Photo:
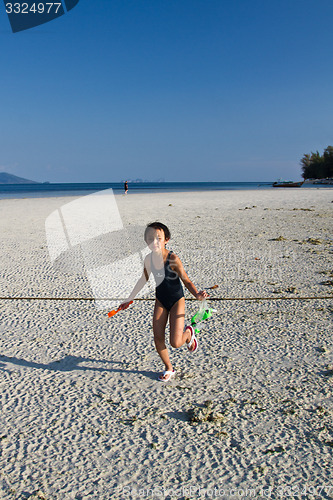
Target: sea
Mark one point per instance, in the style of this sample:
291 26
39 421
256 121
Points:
43 190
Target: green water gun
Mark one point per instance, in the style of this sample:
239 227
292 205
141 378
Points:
203 314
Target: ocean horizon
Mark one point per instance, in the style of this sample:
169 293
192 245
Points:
74 188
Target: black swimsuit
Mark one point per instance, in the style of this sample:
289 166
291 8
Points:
170 290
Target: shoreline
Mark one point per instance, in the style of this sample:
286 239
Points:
75 195
187 188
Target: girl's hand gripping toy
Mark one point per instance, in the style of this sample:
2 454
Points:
115 311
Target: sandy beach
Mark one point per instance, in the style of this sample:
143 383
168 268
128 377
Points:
248 416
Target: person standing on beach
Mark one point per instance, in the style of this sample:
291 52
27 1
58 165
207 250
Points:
126 187
168 272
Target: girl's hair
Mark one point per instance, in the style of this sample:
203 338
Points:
158 225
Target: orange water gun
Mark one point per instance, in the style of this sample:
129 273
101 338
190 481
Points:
115 311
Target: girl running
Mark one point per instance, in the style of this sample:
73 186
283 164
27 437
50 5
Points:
168 272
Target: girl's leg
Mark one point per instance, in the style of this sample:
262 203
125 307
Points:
177 318
159 323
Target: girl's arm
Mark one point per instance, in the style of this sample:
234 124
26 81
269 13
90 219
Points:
177 266
139 285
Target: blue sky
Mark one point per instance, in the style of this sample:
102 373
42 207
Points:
177 89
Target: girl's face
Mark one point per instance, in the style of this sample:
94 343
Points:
156 240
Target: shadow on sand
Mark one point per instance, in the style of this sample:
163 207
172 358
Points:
70 363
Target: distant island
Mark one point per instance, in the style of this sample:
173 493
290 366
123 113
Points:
140 181
13 179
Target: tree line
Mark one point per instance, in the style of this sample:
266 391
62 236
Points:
316 166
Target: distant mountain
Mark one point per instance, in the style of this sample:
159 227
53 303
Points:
13 179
